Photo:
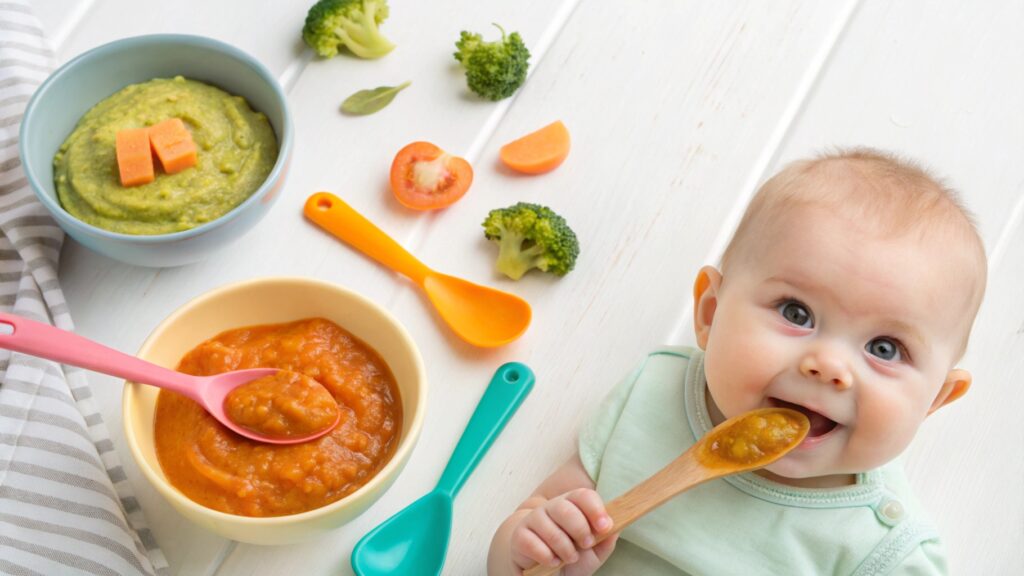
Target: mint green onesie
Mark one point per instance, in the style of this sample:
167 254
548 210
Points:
743 524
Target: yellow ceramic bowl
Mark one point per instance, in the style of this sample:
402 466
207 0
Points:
269 301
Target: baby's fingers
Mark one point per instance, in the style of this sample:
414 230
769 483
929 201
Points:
553 535
592 559
571 520
605 548
528 549
590 503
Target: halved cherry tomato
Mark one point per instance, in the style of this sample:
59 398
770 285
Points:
424 177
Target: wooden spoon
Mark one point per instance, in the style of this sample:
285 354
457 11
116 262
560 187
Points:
742 443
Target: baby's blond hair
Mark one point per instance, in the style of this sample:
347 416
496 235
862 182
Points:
893 195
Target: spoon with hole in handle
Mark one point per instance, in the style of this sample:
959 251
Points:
415 540
480 315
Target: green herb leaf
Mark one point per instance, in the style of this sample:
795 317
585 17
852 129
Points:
370 101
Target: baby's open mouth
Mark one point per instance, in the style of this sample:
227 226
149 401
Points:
820 424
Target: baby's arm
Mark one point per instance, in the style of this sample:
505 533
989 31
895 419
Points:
557 523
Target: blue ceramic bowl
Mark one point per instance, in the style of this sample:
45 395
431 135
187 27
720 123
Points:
81 83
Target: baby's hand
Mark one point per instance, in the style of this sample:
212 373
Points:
564 529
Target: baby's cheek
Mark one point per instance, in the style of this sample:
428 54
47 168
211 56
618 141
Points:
739 369
885 426
756 355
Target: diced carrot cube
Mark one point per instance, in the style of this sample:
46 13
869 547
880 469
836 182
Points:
134 158
173 145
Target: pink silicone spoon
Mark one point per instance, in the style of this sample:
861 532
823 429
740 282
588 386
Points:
44 341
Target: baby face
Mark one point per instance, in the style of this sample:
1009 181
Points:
856 330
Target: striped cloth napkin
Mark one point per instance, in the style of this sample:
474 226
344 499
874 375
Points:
65 504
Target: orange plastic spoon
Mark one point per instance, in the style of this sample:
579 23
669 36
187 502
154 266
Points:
480 315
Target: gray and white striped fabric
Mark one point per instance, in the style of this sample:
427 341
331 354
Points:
65 504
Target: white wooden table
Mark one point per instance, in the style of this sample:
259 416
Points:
677 109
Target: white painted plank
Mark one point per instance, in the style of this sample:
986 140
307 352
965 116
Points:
60 17
968 462
266 29
666 121
940 84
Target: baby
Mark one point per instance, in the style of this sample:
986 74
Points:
847 292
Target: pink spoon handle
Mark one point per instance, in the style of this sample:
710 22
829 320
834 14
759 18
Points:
44 341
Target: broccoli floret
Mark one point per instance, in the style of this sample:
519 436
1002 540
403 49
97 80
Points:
531 236
494 70
352 23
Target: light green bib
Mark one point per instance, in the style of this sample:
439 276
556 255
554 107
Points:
742 524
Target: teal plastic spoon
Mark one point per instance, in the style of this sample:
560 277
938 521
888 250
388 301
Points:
415 540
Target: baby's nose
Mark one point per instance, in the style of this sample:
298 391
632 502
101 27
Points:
826 368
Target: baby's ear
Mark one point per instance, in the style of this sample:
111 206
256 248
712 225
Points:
956 385
705 300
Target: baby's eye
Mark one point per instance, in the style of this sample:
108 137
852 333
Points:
884 348
796 313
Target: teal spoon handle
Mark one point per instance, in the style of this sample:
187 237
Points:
509 386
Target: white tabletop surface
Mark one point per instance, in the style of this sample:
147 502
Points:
677 109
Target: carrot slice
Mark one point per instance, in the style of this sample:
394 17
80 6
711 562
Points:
538 152
134 159
173 145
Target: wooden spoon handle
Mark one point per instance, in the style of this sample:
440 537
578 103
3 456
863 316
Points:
678 476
